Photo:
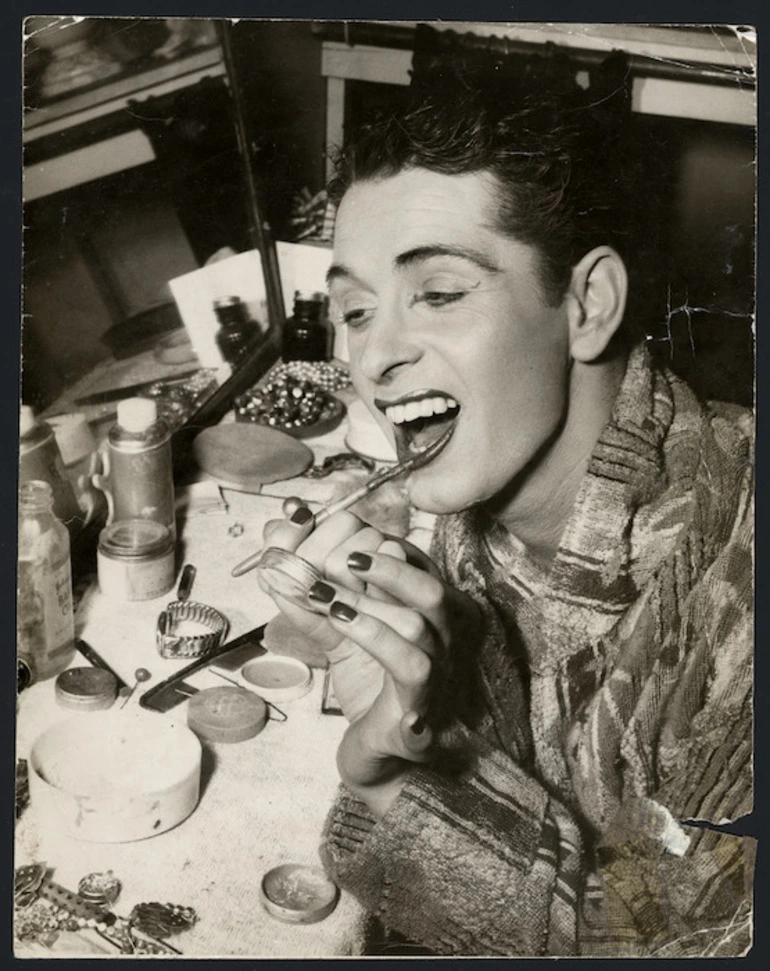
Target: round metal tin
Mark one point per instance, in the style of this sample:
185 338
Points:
86 689
298 894
277 678
226 714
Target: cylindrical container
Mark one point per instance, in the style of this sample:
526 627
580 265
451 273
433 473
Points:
40 458
139 465
135 560
237 333
307 333
288 575
114 776
45 624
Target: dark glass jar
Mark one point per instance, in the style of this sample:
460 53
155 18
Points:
307 334
237 333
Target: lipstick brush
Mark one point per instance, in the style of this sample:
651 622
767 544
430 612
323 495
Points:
409 464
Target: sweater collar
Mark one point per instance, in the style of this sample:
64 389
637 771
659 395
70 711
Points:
627 470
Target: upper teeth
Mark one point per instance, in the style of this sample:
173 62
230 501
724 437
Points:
425 408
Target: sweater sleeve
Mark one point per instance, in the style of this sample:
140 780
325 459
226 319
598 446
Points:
486 861
489 864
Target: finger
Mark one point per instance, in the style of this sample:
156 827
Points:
393 548
336 563
290 505
414 555
409 624
405 662
319 543
287 534
408 584
416 736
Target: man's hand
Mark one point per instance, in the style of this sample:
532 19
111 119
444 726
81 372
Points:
387 622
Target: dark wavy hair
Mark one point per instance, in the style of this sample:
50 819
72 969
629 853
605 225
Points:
561 183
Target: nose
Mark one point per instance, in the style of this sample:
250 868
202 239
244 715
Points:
386 347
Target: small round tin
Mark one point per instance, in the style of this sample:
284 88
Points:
135 560
226 714
298 894
86 689
276 677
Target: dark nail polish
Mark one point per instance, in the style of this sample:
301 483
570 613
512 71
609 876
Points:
341 611
419 726
321 592
359 561
302 516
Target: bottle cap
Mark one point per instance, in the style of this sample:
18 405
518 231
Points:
309 296
226 714
137 414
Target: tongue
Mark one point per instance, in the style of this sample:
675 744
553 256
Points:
422 433
422 437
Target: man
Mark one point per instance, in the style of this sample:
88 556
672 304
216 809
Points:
535 710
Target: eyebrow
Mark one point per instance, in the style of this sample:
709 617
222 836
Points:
422 253
419 255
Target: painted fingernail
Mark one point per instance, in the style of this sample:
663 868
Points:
341 611
301 516
359 561
419 726
321 592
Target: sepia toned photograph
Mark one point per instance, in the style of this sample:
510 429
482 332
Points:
386 489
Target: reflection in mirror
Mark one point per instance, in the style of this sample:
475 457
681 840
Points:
150 268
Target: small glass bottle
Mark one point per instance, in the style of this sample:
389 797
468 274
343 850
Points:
307 334
45 624
237 333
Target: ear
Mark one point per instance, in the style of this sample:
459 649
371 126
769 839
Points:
596 302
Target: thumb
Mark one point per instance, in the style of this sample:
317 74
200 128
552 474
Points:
416 737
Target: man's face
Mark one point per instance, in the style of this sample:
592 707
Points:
447 323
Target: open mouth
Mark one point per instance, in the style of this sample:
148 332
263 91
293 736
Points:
423 423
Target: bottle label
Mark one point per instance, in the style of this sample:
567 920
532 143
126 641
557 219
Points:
45 619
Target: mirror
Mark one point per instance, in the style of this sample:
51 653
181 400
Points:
137 173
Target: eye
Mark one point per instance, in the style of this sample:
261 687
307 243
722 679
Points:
358 317
350 310
438 298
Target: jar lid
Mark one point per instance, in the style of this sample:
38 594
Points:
137 414
135 537
277 677
86 689
298 894
226 714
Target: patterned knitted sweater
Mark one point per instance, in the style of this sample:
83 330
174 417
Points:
610 700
